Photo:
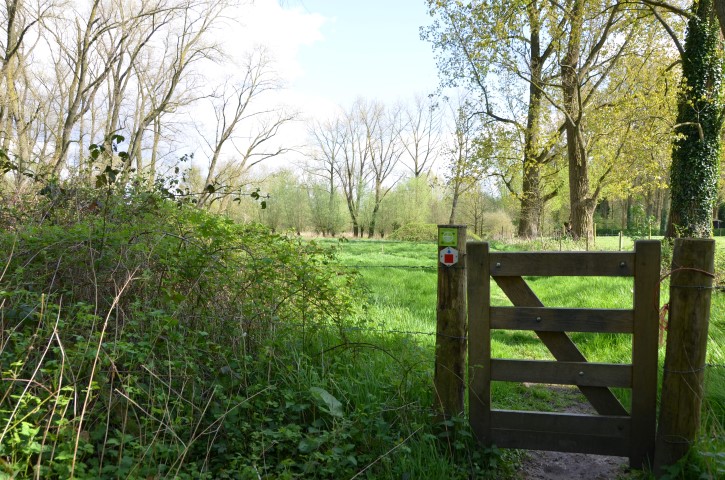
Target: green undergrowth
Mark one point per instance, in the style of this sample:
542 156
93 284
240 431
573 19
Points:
144 338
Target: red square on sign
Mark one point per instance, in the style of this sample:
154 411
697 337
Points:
448 258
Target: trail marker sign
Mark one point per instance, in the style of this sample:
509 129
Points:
447 237
448 256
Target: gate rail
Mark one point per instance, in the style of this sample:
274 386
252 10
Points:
614 430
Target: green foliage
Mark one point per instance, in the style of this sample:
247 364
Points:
641 225
705 461
207 271
696 152
231 352
136 331
416 232
720 265
497 225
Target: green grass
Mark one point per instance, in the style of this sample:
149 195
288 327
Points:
402 301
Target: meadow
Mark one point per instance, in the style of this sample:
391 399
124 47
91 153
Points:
401 280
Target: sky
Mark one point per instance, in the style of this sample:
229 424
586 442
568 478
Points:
329 52
370 48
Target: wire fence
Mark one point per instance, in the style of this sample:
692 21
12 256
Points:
432 334
431 268
400 332
410 267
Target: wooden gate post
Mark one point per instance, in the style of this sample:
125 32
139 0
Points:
451 329
682 388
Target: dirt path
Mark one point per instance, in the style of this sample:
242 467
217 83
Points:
540 465
572 466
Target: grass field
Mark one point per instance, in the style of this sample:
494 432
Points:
338 384
400 279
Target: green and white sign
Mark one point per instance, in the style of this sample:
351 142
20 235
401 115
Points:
448 237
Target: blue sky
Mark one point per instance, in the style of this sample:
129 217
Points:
369 48
329 52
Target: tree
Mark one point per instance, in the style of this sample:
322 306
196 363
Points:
132 40
327 144
18 21
385 152
696 149
468 153
166 70
243 124
582 72
630 140
78 72
353 170
287 206
598 39
420 134
508 47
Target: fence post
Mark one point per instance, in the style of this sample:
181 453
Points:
682 386
451 328
644 351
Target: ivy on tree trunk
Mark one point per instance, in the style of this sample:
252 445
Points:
696 149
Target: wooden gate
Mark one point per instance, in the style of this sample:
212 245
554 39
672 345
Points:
614 430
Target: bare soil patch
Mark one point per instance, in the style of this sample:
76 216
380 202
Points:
542 465
572 466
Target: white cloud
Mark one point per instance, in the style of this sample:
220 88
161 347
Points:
282 30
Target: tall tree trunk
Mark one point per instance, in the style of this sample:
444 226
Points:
582 207
696 151
373 221
454 206
330 220
531 201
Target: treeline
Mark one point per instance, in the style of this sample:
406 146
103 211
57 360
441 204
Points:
300 203
158 77
591 88
551 114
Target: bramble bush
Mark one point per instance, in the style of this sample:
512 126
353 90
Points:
137 333
141 337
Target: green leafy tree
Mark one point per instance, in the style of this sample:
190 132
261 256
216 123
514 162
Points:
326 142
508 48
469 152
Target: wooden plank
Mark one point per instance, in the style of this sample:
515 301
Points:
479 342
562 373
560 345
545 264
580 424
562 319
450 350
644 351
682 386
561 442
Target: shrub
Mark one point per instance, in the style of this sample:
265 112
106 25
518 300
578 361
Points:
416 232
206 271
497 225
720 266
424 232
138 336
